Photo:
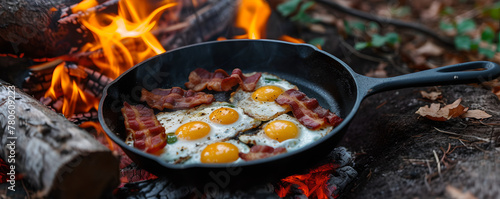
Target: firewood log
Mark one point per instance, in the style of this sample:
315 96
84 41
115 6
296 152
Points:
31 27
55 158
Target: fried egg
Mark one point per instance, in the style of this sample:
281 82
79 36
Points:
189 131
219 152
260 103
285 131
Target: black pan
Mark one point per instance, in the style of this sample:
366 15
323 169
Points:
317 73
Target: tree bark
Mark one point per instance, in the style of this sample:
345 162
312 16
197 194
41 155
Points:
55 158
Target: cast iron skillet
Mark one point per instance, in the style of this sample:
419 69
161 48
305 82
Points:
317 73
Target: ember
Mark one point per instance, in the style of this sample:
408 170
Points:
313 184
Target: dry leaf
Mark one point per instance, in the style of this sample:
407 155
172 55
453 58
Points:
434 112
477 114
431 96
496 90
456 193
430 49
379 71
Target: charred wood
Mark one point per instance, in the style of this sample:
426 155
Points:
31 28
56 158
204 23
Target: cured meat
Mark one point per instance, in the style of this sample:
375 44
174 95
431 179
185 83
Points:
219 80
175 98
146 130
261 151
307 110
247 83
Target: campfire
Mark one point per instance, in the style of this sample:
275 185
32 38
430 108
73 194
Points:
115 35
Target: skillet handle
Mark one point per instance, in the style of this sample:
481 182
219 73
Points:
452 74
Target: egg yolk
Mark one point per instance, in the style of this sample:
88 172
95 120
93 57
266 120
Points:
192 130
224 116
281 130
220 152
267 93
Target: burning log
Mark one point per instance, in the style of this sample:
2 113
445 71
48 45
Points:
205 23
32 28
56 158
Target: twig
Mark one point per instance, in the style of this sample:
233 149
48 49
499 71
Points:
393 22
438 163
456 134
46 65
73 17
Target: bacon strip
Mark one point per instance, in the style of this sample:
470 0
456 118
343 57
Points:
261 151
175 98
219 80
307 110
146 130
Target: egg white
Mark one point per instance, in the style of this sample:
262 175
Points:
196 157
305 137
264 111
183 151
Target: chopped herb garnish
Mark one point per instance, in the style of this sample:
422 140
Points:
171 138
230 105
271 80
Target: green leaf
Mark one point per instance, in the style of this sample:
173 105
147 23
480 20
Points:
347 27
474 44
466 26
317 41
446 26
357 25
171 138
361 45
447 11
288 7
493 11
378 40
463 42
373 26
488 35
302 16
498 45
392 38
487 52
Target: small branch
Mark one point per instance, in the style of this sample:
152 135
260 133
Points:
456 134
438 163
394 22
74 17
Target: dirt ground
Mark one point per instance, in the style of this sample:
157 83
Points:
396 149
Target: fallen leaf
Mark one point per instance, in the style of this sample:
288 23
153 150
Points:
429 49
456 193
431 96
434 112
496 90
477 114
432 12
379 71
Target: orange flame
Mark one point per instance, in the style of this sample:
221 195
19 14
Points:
124 40
101 135
312 184
66 84
291 39
252 17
